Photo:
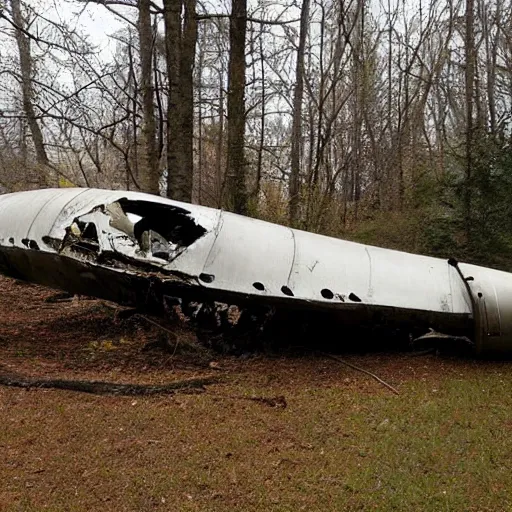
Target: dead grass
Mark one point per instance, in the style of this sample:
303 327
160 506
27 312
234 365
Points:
342 443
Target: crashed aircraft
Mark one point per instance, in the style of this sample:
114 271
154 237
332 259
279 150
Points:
142 250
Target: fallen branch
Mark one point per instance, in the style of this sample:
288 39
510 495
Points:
133 313
108 388
353 366
160 326
165 344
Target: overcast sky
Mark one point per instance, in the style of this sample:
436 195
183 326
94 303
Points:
94 20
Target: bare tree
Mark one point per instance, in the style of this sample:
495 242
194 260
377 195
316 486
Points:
26 72
296 145
180 36
236 173
188 54
151 175
469 46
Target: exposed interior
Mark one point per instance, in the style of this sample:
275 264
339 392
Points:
170 223
159 231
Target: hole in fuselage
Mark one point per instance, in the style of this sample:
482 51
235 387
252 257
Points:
327 294
31 244
287 291
83 237
354 298
259 286
207 278
161 230
90 232
176 225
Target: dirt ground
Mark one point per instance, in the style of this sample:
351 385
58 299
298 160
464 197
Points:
275 433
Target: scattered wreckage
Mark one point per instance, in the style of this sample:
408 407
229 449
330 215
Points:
153 253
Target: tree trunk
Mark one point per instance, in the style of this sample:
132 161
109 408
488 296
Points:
296 146
491 53
132 111
236 175
180 43
259 166
150 176
199 82
220 143
359 78
469 89
176 182
188 52
23 43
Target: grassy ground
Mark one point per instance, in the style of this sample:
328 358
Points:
343 442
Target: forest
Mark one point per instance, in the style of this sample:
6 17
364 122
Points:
381 121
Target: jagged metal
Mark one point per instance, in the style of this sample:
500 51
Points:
138 249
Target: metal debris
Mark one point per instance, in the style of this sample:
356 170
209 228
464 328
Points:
153 253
